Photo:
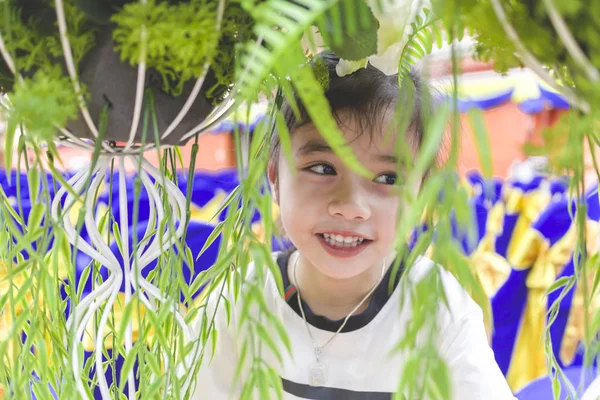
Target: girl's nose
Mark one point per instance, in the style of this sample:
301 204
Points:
350 202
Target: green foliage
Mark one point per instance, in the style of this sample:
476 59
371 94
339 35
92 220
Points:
236 29
321 72
180 38
349 29
38 105
279 26
425 32
41 103
33 41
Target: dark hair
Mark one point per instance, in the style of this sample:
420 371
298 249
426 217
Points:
368 93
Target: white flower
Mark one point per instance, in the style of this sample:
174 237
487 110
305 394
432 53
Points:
394 17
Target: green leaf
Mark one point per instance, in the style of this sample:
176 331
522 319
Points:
275 381
594 265
257 60
434 134
152 362
126 320
213 342
189 257
127 367
560 282
117 235
482 141
437 34
211 238
155 387
358 38
243 355
83 280
281 332
9 142
263 384
35 216
33 181
227 306
266 338
284 138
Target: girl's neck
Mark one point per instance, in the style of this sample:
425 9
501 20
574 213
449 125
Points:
332 298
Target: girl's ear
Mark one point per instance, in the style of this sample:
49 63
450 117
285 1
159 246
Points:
272 175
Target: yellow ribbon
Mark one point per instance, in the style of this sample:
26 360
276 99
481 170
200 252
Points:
207 213
513 198
529 361
520 254
494 224
575 329
491 268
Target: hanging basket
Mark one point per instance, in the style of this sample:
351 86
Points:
108 81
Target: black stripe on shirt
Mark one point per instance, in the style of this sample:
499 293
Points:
355 322
327 393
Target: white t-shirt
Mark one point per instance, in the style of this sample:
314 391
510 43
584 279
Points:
359 363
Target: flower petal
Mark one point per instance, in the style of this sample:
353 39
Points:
345 67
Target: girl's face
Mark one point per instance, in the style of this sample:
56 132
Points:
341 222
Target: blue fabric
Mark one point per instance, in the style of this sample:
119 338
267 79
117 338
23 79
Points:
541 389
553 99
532 106
508 305
554 221
486 103
558 187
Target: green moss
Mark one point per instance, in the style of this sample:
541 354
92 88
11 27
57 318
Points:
321 72
181 38
41 103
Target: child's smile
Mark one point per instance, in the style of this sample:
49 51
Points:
343 244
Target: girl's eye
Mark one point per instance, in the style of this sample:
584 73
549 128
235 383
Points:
322 169
387 179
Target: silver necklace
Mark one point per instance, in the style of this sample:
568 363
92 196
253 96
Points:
318 372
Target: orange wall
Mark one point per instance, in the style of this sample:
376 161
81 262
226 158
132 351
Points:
508 130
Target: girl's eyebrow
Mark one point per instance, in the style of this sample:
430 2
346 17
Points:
387 158
314 146
319 146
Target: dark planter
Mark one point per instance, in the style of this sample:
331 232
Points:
108 80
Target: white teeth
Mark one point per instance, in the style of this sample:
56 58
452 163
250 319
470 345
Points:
342 241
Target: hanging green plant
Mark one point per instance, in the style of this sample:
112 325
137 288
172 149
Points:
179 42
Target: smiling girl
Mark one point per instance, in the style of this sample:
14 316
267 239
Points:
339 315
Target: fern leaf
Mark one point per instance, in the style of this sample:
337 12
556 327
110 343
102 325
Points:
279 25
437 34
419 42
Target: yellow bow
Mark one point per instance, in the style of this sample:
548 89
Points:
575 329
523 249
529 361
208 212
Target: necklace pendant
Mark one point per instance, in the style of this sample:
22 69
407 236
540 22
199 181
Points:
317 374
